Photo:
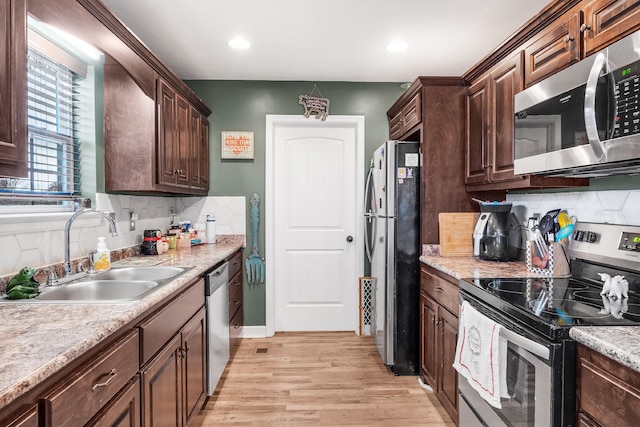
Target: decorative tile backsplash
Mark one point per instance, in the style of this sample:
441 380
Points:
42 242
229 212
614 207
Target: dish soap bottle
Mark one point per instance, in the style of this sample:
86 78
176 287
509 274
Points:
102 257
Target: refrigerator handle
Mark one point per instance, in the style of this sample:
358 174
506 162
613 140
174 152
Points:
370 220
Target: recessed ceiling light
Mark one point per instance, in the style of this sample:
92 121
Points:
397 46
239 43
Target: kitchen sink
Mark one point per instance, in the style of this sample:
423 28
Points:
153 273
99 290
118 285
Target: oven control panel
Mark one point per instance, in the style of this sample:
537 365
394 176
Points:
614 244
629 242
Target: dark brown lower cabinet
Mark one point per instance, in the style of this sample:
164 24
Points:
236 314
123 410
152 374
448 391
162 387
28 419
173 382
195 364
94 385
438 338
608 393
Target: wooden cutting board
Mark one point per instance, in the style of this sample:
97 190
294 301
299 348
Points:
456 233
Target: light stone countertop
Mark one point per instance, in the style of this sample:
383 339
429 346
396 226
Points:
620 343
473 267
39 339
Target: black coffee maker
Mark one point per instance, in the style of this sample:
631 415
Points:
497 235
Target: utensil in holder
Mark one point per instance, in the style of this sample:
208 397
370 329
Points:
554 263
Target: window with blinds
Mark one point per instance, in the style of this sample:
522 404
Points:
53 147
54 172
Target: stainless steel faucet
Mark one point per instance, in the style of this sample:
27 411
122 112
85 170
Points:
67 256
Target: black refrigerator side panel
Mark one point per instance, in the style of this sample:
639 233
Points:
407 265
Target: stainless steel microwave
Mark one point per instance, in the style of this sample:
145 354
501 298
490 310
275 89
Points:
585 119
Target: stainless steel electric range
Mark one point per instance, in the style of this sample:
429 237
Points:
537 314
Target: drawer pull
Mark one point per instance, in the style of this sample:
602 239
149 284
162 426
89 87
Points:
439 290
237 302
111 374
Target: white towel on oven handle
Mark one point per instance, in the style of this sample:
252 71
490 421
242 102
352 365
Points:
481 355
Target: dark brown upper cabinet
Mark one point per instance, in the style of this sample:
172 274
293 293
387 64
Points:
555 48
587 28
152 144
432 112
606 21
406 118
13 88
490 127
490 133
173 137
563 33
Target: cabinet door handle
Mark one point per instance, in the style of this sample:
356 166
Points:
584 27
112 374
568 38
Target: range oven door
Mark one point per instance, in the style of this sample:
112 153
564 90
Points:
529 377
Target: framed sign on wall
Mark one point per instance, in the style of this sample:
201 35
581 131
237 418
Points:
237 145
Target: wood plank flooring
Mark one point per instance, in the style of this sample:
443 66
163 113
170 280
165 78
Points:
317 379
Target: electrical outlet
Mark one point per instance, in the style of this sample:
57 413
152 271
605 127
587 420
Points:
133 217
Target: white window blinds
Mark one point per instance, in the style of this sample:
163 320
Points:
53 152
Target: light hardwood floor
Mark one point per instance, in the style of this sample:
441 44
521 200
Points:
317 379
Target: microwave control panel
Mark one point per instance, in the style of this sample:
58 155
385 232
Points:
627 121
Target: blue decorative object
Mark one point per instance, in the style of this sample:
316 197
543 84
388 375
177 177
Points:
254 264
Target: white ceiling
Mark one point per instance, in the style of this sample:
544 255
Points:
329 40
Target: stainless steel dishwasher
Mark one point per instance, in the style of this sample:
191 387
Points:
217 309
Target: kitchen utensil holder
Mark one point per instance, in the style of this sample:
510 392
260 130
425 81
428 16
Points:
557 263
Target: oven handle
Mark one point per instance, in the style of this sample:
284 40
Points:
525 343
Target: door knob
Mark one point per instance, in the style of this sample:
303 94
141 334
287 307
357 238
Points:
349 239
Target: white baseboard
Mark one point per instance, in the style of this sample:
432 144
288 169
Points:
253 332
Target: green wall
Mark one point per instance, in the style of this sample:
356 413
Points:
243 106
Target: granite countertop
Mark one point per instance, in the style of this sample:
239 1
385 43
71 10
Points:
39 339
620 343
473 267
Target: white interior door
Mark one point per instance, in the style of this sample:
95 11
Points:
314 212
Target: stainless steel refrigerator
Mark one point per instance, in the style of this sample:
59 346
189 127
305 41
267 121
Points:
392 221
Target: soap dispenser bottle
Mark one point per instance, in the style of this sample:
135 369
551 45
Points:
102 257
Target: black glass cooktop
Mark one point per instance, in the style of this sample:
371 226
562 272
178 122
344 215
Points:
552 305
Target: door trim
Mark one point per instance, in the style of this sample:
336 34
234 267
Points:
273 121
